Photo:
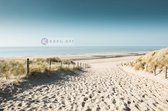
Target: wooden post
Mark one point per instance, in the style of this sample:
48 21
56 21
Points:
77 64
61 64
27 68
73 66
50 64
166 72
146 67
68 65
155 70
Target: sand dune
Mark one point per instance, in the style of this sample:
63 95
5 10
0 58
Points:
148 62
105 86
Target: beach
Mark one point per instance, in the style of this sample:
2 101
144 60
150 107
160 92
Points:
83 55
106 85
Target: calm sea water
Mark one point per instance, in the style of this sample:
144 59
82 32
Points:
40 51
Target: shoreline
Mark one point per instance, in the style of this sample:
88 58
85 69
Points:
86 56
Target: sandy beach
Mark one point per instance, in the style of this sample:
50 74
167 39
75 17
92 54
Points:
105 86
83 55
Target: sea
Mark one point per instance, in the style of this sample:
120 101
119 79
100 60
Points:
72 50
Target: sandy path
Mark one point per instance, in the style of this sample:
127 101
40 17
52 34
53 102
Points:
105 86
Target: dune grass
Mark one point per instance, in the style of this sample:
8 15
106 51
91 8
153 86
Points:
151 60
15 68
11 67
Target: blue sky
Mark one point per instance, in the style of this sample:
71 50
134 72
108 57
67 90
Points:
88 22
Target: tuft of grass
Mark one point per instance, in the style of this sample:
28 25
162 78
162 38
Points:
54 59
39 65
68 62
39 60
36 66
157 58
11 67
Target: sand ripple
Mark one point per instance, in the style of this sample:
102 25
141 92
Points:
105 86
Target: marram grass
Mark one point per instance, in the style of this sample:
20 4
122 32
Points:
10 68
151 60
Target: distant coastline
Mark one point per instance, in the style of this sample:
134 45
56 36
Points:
9 52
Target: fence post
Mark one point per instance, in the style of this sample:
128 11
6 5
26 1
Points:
73 66
146 67
27 68
68 65
166 72
50 64
61 64
77 64
155 70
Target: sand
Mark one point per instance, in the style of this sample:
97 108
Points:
106 86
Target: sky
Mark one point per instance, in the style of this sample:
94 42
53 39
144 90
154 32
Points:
86 22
